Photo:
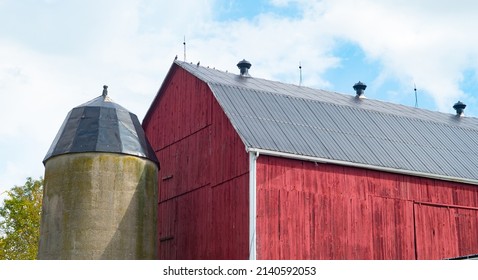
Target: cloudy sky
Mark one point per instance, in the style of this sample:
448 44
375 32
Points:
55 55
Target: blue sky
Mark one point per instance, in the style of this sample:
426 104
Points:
55 55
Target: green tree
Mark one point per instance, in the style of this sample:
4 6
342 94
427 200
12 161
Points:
20 221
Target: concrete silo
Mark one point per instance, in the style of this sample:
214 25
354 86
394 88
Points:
100 193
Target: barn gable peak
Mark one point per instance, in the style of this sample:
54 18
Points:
317 124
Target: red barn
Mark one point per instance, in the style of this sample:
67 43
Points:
252 168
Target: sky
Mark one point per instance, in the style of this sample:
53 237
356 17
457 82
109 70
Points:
55 55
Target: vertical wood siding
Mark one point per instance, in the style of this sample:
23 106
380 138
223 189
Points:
436 223
203 180
324 211
304 210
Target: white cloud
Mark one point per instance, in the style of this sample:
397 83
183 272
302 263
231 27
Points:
426 41
61 53
58 54
273 45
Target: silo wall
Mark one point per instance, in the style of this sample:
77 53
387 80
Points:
99 206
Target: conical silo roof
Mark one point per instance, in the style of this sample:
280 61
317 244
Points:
101 125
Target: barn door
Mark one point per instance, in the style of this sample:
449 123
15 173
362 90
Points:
445 231
392 229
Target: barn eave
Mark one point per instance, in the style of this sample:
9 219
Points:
258 152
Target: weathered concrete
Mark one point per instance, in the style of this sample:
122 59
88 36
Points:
99 206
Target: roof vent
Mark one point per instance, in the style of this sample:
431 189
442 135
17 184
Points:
244 66
359 89
460 108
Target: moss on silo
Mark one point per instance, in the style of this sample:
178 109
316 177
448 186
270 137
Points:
99 206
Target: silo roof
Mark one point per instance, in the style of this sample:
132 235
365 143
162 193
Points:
101 125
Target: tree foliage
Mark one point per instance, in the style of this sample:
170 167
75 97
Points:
20 221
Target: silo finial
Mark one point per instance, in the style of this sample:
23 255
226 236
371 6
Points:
105 90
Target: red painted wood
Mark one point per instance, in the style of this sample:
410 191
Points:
304 210
392 229
324 211
167 216
203 202
184 165
437 223
467 229
184 110
434 225
230 218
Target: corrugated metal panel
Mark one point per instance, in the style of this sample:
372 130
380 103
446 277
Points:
286 118
304 210
213 76
248 137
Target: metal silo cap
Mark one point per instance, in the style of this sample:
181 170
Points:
101 125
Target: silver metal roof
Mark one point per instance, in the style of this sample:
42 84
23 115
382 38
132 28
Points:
101 125
297 120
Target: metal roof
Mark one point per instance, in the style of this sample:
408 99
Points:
296 120
467 257
101 125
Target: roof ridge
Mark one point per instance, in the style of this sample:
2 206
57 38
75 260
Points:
322 124
407 116
313 90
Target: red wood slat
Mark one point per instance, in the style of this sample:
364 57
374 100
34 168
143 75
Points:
268 213
333 212
305 210
194 140
229 229
393 229
167 222
360 231
323 222
436 232
467 231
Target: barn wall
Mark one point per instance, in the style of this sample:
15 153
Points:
203 202
324 211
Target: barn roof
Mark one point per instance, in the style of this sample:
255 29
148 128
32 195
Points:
296 121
